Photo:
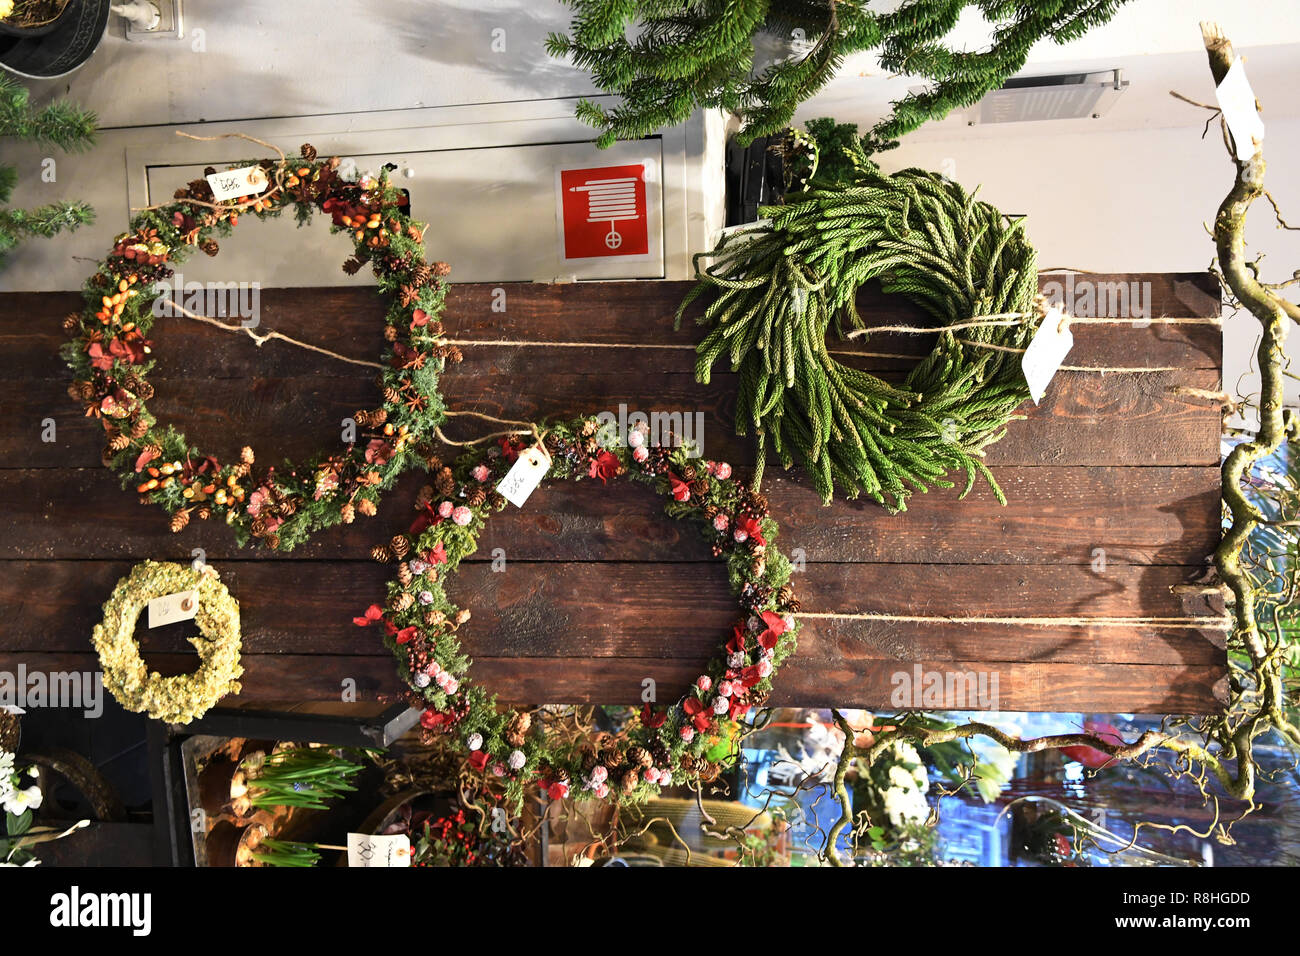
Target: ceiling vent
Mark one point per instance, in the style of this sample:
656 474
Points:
1054 97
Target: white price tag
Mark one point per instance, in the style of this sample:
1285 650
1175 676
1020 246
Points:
1051 343
236 183
366 849
527 473
1237 101
170 608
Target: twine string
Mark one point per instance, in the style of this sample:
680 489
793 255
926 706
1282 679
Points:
1172 623
243 200
524 428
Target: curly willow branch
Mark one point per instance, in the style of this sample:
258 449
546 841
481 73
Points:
1257 700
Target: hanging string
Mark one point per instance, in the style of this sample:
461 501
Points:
524 428
244 201
262 339
1173 623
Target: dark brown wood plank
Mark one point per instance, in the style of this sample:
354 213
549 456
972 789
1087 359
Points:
1115 419
1053 516
806 682
613 609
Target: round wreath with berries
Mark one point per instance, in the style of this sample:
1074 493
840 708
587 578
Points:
111 356
689 741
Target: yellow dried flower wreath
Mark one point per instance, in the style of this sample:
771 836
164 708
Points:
182 698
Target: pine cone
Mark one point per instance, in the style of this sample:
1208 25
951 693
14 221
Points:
404 576
700 487
272 541
441 269
204 512
476 498
378 417
153 451
423 497
639 757
390 333
286 507
367 507
352 265
435 618
71 321
209 247
758 567
381 553
179 520
139 428
630 779
391 395
348 512
119 442
517 729
687 763
421 274
445 482
258 527
785 596
688 473
496 499
400 546
434 463
308 152
708 771
401 601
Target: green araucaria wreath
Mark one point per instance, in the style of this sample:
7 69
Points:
111 355
781 282
689 740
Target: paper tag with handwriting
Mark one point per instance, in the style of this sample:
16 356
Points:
367 849
524 476
1051 343
236 183
1237 101
170 608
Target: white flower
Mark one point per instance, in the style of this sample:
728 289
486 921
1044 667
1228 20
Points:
904 806
900 778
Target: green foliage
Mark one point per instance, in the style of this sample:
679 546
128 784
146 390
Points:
689 54
308 777
287 853
779 284
62 125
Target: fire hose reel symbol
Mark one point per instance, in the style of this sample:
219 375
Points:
604 211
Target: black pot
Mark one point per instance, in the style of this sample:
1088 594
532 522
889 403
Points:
57 48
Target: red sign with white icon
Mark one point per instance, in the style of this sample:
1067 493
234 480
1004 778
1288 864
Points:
604 212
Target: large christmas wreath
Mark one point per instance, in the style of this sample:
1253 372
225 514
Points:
111 355
780 283
688 740
177 699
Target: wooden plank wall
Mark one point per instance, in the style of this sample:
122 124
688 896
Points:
599 590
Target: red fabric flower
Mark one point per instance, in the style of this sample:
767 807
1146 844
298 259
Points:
478 760
510 447
604 466
751 526
737 708
557 791
749 676
737 643
436 555
652 718
681 489
427 518
419 318
695 710
775 628
373 613
432 719
130 348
